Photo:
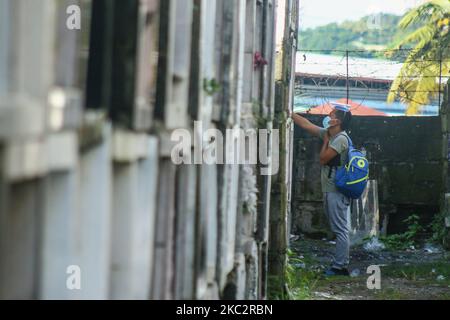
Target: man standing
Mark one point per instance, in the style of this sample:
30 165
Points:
333 154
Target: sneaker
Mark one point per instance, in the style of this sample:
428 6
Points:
336 272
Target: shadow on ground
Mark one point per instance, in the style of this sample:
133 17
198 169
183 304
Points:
408 274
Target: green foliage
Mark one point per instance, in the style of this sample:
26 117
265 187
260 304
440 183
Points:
299 280
211 86
423 32
440 234
257 112
408 238
417 82
354 35
427 272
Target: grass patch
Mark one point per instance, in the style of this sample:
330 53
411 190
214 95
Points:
300 282
390 294
424 273
277 290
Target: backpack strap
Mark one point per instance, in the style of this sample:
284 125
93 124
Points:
331 167
333 164
330 170
350 142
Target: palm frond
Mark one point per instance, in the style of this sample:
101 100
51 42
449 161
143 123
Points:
425 90
413 16
423 34
432 10
418 80
443 5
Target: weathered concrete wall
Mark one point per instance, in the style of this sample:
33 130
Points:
280 217
88 184
405 155
445 199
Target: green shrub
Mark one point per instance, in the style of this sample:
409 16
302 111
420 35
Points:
407 239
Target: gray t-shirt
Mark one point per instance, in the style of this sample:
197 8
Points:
340 144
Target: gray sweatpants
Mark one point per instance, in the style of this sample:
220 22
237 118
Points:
336 205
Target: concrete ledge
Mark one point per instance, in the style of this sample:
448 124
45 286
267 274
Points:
28 159
62 151
166 144
21 117
129 146
25 160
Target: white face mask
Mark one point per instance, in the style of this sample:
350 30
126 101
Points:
326 122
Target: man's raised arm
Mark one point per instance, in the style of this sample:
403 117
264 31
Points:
305 124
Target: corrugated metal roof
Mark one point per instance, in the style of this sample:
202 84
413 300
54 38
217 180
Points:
356 109
332 65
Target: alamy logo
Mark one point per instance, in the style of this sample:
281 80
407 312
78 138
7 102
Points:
238 146
73 22
374 280
73 281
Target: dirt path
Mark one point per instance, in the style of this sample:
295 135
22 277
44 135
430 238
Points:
411 274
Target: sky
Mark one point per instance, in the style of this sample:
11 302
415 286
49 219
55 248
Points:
315 13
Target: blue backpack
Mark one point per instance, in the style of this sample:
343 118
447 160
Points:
351 179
